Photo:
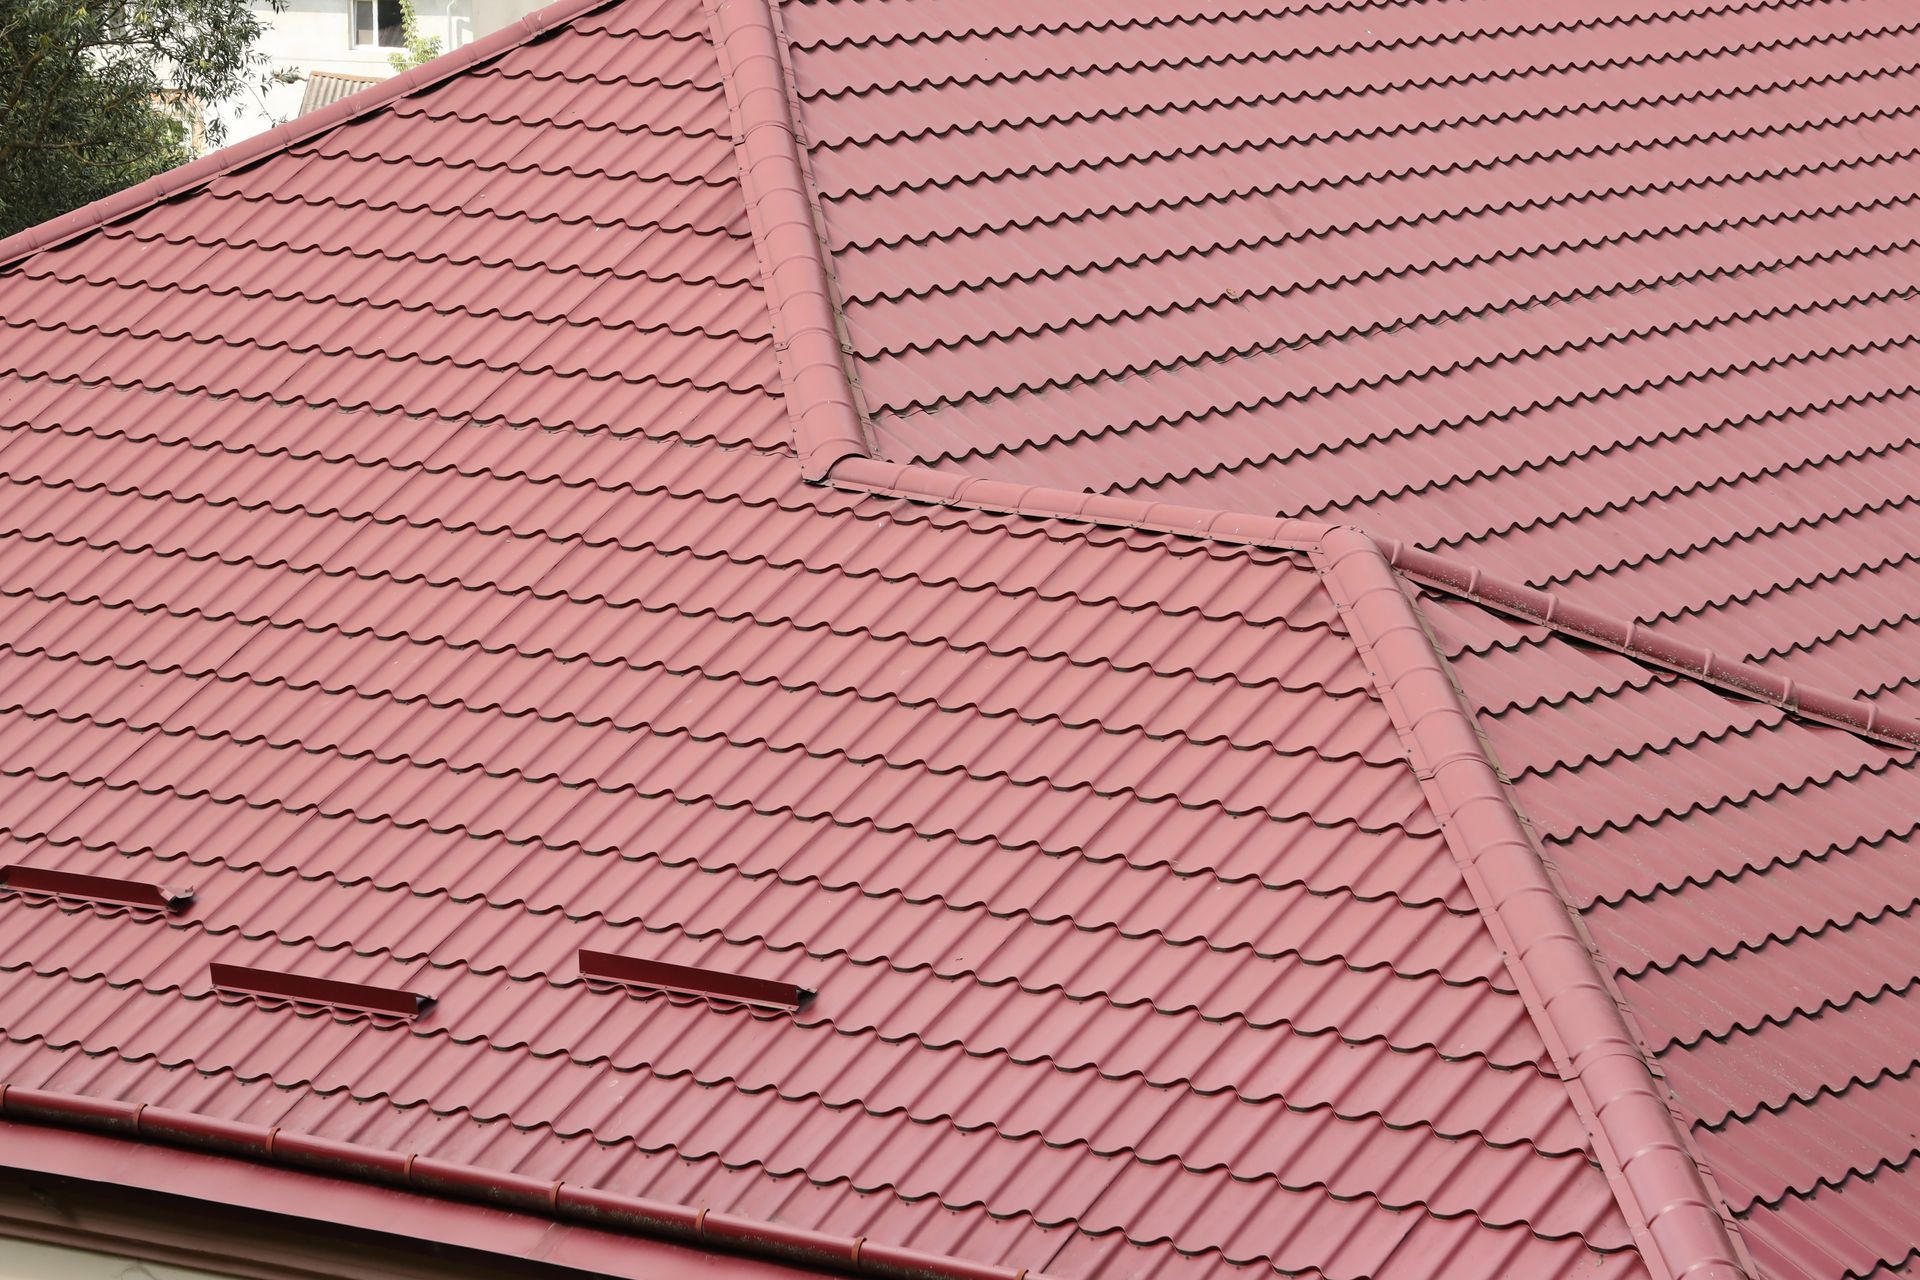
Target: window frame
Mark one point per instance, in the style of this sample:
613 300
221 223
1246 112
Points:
353 26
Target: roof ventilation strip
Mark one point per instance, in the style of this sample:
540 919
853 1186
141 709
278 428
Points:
353 997
682 979
99 889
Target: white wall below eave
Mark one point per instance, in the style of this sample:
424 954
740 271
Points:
32 1260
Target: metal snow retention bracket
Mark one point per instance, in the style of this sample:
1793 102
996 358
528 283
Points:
355 997
104 889
686 980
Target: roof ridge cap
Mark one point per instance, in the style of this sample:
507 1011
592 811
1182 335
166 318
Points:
820 390
216 164
1643 644
1679 1217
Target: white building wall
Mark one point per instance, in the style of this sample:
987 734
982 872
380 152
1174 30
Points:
33 1260
317 35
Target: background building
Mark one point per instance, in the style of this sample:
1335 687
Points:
347 41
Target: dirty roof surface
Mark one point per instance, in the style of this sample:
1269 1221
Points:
406 550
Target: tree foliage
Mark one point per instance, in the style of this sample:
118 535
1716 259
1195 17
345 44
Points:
98 94
419 48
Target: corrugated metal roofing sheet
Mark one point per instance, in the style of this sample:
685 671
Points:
1493 279
1618 303
406 546
324 88
1751 879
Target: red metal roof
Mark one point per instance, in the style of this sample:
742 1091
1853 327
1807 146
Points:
1615 304
408 550
445 535
1500 280
1750 877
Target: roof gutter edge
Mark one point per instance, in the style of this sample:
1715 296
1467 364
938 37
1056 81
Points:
586 1206
215 164
1735 675
1671 1201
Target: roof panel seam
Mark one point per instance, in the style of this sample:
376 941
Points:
1129 63
1173 151
1227 100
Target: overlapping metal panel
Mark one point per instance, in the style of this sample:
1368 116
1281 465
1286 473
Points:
404 547
1616 301
1751 880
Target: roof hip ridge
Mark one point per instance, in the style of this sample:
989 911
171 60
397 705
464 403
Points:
1678 1215
215 164
1644 644
820 391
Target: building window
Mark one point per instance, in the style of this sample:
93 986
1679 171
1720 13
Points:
378 22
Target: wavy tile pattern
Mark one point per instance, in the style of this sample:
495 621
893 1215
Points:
402 543
1754 881
1615 300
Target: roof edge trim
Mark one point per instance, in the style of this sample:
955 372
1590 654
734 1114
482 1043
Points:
1672 1202
603 1210
819 388
1644 644
216 164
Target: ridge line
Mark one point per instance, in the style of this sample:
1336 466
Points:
828 425
1643 644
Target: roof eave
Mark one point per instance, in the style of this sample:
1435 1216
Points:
538 1204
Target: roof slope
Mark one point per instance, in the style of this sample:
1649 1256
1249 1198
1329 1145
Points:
1753 880
407 548
1617 305
1498 279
